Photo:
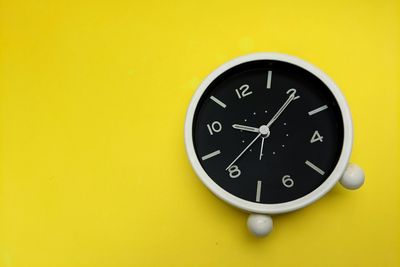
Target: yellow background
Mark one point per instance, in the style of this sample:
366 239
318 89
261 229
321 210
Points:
93 95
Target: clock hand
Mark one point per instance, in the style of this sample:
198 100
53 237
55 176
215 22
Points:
246 128
284 106
265 128
244 150
262 146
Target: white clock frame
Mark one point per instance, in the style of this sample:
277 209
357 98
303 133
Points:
313 196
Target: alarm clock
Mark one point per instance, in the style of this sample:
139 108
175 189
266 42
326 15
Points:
270 133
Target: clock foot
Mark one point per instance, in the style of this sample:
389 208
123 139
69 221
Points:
353 177
259 224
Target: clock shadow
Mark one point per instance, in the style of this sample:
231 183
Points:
283 223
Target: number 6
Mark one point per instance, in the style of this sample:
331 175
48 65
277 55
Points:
287 181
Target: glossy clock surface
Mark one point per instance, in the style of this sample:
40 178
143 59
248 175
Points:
268 131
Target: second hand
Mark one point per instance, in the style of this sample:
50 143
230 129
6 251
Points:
244 150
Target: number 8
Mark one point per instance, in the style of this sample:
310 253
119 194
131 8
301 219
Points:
234 171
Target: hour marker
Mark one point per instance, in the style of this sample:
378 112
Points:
314 111
219 102
212 154
316 137
269 79
258 193
315 168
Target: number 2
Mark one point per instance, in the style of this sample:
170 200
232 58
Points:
293 92
243 91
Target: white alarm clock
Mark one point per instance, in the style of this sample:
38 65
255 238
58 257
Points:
270 133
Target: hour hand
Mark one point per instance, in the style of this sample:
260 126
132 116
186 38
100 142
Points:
246 128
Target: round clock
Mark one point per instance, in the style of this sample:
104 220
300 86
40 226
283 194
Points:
270 133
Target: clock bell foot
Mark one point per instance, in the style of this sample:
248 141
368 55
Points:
259 224
353 177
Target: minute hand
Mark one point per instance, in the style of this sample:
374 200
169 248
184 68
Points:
275 117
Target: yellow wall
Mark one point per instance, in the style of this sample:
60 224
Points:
93 95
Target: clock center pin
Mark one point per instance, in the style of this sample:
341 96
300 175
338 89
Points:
264 130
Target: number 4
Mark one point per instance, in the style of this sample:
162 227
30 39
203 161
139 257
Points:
316 137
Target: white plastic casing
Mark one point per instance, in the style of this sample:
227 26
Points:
353 177
259 224
280 207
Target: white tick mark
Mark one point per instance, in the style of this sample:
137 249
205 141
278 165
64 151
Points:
251 150
312 112
245 119
283 145
258 192
269 79
242 141
287 134
219 102
273 153
284 123
315 168
212 154
254 113
265 111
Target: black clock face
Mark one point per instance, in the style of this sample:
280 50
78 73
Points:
268 131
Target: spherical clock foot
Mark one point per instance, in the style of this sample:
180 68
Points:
259 224
353 177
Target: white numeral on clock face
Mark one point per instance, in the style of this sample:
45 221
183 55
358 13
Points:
215 127
243 91
287 181
316 137
234 171
293 92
